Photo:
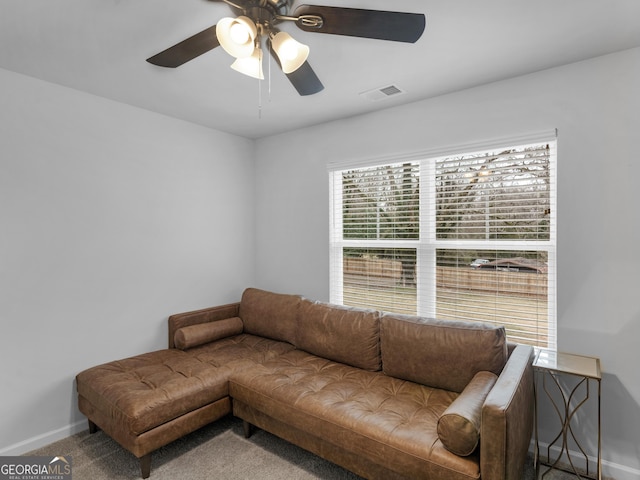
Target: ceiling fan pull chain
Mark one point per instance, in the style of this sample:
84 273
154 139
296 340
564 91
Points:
259 99
268 43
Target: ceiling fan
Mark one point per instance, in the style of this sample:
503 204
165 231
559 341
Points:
242 36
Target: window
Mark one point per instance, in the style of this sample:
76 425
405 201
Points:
467 236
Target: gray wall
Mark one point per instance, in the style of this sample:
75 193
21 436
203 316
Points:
595 105
112 218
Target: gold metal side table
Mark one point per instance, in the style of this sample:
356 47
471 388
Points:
549 365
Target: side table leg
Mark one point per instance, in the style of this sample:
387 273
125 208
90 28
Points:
536 448
565 413
599 466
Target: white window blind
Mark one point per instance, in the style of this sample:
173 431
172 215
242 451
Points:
467 236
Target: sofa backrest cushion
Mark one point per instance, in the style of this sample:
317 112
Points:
270 315
342 334
201 333
459 425
440 353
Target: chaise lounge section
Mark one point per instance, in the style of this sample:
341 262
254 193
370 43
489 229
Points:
150 400
385 396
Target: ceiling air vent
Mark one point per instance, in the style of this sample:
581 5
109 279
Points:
382 93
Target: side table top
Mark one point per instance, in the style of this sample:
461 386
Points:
561 362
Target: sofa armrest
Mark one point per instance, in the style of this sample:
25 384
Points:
507 419
205 315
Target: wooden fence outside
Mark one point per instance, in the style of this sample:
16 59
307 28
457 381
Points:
389 272
489 280
373 268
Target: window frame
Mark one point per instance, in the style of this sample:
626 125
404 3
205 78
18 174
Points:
427 242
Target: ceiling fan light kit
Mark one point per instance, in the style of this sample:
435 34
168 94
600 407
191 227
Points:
241 37
237 36
291 53
251 65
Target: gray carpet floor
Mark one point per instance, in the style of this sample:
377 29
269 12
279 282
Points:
218 451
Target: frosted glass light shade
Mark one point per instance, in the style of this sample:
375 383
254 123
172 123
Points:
237 36
291 53
251 66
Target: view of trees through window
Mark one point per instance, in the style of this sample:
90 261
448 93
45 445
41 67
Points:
463 237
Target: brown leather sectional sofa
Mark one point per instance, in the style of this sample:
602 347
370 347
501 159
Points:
385 396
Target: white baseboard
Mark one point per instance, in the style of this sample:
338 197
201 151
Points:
610 470
44 439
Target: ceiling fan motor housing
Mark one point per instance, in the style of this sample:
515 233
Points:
265 9
279 7
262 17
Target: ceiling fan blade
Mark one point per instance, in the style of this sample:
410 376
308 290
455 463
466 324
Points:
355 22
187 49
305 80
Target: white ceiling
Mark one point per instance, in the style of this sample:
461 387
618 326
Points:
100 47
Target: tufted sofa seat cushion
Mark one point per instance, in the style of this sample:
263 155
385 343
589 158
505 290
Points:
239 351
389 421
148 390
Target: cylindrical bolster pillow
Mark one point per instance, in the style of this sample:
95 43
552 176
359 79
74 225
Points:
194 335
459 425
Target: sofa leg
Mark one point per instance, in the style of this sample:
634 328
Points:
145 465
246 426
93 428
